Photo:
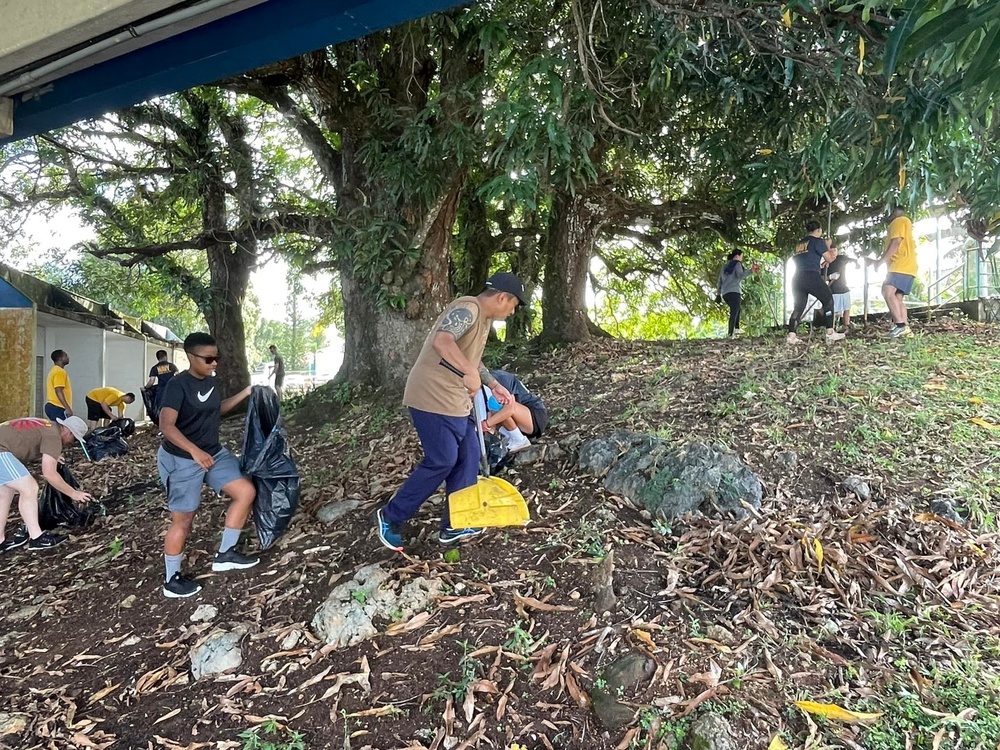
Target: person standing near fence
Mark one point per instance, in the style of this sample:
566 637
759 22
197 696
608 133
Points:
810 252
159 376
730 288
901 258
836 276
58 391
277 370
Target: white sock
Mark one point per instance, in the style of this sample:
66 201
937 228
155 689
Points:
515 433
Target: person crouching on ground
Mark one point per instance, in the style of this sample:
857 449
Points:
519 420
440 404
101 401
22 441
191 454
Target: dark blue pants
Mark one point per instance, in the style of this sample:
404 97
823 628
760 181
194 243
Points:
54 412
451 455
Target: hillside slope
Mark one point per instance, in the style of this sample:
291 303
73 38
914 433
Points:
882 606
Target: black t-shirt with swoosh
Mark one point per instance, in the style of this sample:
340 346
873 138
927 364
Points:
199 412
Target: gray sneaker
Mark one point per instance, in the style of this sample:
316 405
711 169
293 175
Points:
233 560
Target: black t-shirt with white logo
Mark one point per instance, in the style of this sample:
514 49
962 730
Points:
199 412
163 372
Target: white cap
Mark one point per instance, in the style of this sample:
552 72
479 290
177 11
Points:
79 429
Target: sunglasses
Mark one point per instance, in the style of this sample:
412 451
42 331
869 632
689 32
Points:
208 360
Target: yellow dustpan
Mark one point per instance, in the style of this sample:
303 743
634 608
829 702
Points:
491 501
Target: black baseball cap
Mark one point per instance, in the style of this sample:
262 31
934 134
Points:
504 281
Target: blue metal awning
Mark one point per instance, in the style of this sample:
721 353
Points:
272 31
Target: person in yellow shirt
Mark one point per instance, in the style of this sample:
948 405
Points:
58 392
901 259
101 401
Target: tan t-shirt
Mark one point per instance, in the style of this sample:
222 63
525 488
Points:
434 388
28 438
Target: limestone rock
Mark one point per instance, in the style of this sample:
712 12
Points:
625 674
533 454
332 511
204 613
12 724
348 614
219 652
670 481
858 486
788 459
946 509
710 732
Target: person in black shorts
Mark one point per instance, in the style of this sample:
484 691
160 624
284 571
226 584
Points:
810 252
191 455
523 418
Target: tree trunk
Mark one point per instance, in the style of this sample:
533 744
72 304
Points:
229 269
574 225
382 342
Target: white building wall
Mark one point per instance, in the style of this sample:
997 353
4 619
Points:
125 368
85 346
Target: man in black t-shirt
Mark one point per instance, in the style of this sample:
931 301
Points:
191 410
159 375
810 252
523 418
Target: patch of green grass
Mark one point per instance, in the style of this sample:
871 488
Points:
271 736
468 672
967 695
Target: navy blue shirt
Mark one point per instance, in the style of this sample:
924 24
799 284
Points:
521 394
199 412
162 371
809 253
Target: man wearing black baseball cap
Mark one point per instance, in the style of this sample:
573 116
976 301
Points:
440 404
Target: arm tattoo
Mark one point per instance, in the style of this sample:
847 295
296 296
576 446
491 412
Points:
486 376
457 322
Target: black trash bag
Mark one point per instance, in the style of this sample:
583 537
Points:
496 453
267 461
106 442
55 508
149 401
125 425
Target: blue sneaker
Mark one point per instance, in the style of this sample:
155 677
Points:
389 534
454 536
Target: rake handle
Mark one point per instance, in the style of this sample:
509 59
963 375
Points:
484 462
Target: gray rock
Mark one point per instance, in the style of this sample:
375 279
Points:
612 713
25 613
346 617
720 633
629 672
555 453
219 652
332 511
788 459
204 613
671 481
128 602
946 509
12 724
858 486
710 732
533 454
625 674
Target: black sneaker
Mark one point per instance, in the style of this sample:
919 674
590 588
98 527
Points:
180 587
46 541
15 540
233 560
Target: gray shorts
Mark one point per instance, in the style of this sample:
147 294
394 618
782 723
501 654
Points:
11 469
841 302
183 478
902 282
